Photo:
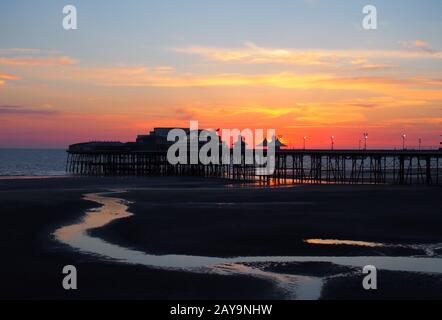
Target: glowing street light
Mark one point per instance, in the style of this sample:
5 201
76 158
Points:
305 139
404 137
365 140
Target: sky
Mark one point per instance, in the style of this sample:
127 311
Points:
306 68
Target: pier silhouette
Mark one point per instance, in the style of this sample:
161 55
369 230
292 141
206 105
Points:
148 156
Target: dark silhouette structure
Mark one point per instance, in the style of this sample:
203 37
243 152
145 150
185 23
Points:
148 156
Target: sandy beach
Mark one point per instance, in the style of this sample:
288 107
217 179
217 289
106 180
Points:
186 216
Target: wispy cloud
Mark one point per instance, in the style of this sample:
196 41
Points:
364 64
37 61
381 102
21 110
144 77
20 51
414 121
5 76
301 114
420 45
253 54
33 57
8 76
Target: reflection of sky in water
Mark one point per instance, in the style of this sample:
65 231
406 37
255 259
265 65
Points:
307 287
344 242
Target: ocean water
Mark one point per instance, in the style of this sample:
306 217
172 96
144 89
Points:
32 162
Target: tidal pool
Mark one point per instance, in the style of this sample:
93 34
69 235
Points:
294 286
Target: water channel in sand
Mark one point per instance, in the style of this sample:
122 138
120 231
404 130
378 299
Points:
294 286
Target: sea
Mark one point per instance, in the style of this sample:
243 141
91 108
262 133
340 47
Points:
23 163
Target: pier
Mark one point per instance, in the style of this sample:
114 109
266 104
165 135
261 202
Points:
398 167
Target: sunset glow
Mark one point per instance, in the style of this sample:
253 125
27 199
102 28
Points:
305 68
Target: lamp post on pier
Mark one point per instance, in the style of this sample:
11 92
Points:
365 141
404 137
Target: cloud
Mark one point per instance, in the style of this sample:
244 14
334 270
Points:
415 121
28 52
20 50
381 102
364 64
33 57
5 76
9 76
142 76
301 114
253 54
37 61
163 69
421 45
313 112
21 110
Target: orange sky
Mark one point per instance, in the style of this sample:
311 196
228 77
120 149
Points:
386 85
54 103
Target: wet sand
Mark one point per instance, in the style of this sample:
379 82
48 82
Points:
230 222
189 216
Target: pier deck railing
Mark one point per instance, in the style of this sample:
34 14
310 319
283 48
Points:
402 167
